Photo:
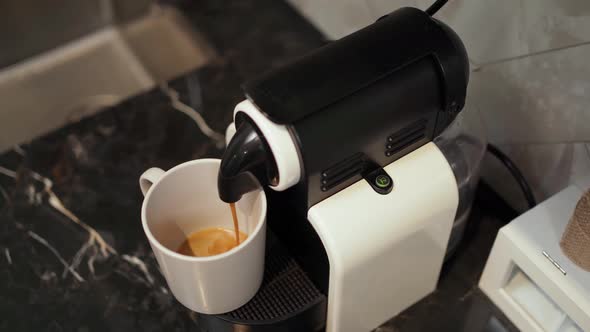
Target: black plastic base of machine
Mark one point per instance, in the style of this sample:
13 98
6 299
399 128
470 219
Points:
286 301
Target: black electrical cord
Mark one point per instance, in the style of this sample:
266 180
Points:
435 7
522 182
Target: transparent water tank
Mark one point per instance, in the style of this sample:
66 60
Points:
463 144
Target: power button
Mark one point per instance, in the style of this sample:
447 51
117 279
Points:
380 181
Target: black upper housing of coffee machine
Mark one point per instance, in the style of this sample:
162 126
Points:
369 98
352 107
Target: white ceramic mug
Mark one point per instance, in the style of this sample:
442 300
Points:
184 200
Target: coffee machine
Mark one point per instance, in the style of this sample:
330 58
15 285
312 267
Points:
361 198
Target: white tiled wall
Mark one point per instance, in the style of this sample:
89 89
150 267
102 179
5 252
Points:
536 99
503 29
530 77
335 18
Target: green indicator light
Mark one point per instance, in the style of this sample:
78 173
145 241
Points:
382 181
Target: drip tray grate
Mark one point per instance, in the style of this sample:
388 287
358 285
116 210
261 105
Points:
285 296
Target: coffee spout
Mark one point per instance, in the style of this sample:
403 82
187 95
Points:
244 165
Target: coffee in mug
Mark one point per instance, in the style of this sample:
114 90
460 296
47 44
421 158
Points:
210 241
214 240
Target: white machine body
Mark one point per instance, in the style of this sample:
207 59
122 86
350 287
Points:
386 251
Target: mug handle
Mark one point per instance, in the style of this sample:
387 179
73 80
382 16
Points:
149 178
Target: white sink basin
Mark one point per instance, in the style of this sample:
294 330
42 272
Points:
100 70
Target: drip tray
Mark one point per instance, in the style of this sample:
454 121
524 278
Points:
286 301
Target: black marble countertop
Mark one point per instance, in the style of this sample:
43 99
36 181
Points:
87 266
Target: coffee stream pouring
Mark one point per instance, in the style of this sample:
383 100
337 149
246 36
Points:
362 196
